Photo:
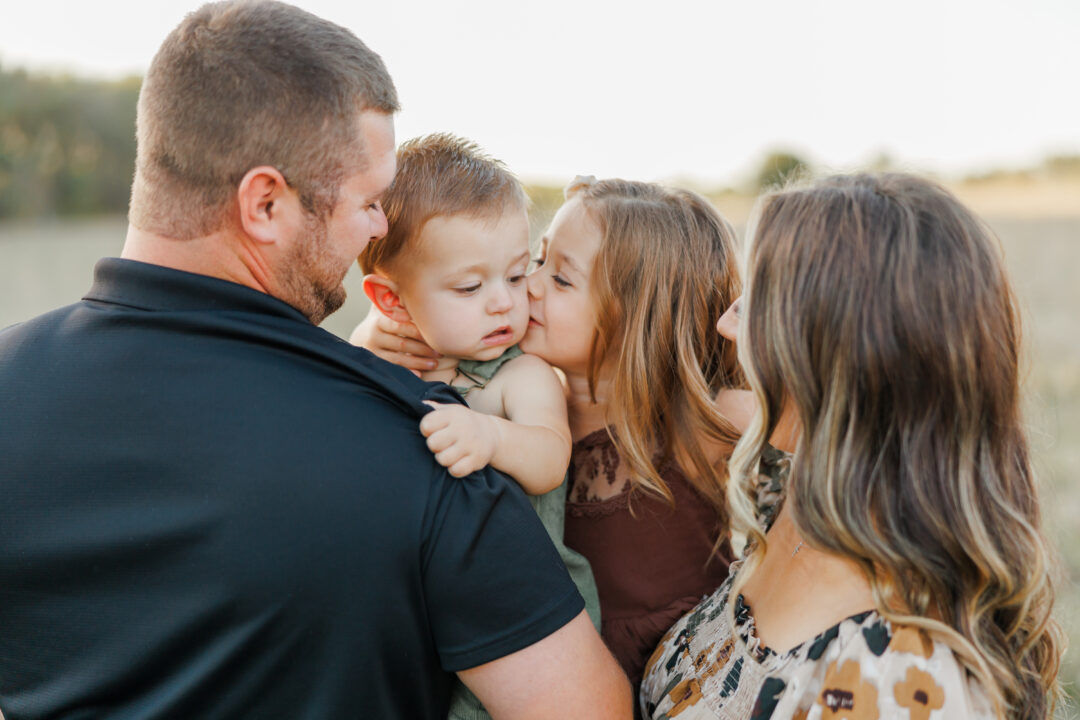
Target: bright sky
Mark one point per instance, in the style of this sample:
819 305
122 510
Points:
672 89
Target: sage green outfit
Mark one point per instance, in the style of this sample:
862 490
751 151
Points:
551 508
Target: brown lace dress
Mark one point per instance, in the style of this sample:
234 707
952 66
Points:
651 566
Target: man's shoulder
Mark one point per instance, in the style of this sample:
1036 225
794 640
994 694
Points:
21 335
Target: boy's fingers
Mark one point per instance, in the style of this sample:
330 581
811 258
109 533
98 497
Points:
448 457
433 421
438 442
463 467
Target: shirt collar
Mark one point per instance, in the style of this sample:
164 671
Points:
155 287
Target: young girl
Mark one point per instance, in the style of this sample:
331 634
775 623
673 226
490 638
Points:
630 280
899 571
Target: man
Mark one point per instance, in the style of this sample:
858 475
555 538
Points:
211 507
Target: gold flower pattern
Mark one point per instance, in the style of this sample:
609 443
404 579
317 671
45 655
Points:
919 693
862 668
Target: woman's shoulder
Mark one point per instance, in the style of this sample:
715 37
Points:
871 668
861 667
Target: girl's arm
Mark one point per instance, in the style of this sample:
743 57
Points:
531 443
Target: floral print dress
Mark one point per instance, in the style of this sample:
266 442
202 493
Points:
862 668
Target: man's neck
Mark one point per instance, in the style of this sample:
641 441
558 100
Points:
220 255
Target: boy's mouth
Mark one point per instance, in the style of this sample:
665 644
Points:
499 335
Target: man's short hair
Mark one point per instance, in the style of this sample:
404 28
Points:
438 176
244 83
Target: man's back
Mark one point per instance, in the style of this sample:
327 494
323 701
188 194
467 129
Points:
214 509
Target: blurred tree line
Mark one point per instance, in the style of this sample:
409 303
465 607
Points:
67 145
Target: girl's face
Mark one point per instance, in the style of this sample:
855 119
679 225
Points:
562 316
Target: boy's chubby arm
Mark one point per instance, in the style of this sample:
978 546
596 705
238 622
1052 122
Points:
531 443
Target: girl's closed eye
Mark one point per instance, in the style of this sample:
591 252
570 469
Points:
561 281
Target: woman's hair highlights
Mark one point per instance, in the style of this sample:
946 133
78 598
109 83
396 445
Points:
665 270
879 309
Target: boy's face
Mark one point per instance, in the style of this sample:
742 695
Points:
465 286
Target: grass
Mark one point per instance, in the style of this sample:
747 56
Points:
43 266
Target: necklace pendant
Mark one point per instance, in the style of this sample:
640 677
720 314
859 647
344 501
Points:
797 549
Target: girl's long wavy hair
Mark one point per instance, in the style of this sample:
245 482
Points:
878 307
665 271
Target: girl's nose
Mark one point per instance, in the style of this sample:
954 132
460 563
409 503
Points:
534 285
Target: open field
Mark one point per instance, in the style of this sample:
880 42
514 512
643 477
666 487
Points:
43 266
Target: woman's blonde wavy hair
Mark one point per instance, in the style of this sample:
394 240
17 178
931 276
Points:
879 308
665 271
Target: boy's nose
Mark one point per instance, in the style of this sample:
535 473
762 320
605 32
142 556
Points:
500 301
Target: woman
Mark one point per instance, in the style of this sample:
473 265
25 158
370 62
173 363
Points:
899 570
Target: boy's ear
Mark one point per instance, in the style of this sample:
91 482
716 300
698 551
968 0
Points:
383 294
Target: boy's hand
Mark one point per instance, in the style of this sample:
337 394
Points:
399 343
463 440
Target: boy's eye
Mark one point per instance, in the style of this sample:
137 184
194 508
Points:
468 290
515 279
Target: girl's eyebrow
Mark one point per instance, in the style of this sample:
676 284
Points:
563 257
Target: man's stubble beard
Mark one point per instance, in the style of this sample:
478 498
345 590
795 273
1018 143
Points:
312 277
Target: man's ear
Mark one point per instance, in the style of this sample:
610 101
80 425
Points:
383 294
270 210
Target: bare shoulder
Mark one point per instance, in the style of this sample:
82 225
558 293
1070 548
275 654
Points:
526 369
525 379
901 667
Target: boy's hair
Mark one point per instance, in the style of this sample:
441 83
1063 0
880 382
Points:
242 84
439 175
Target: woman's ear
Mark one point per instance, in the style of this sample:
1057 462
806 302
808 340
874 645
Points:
383 294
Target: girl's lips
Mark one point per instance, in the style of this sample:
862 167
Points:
533 322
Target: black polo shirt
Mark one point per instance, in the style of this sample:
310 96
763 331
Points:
211 508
